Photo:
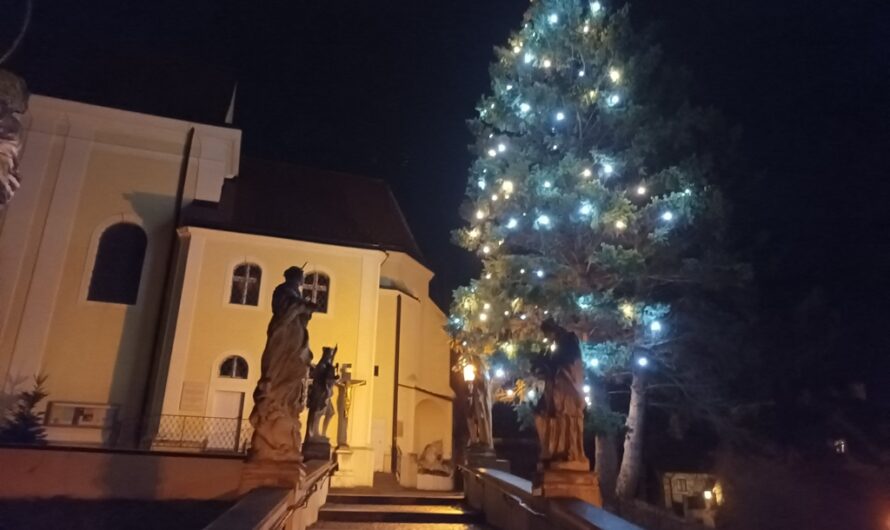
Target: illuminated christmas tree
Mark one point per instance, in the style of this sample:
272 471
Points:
589 203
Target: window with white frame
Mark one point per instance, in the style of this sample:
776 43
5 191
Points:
234 367
246 278
317 289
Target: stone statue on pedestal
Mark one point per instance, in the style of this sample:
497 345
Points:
346 384
317 445
280 392
13 103
479 418
563 467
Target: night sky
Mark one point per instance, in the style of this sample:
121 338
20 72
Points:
384 89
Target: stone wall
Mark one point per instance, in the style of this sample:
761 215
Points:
86 473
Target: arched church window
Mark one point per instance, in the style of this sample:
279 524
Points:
118 266
246 284
233 366
317 289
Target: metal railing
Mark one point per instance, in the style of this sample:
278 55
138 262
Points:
231 435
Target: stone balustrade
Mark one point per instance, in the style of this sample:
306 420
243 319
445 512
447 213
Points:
508 504
280 508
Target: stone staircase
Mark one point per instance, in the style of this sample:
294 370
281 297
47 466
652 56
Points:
344 511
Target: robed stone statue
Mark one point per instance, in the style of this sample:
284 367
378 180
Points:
559 414
280 393
324 374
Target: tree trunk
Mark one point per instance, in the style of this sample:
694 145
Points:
632 462
606 455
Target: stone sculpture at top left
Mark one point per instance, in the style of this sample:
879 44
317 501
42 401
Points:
13 103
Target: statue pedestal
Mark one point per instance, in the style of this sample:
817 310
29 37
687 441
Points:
345 475
484 456
317 448
271 473
567 482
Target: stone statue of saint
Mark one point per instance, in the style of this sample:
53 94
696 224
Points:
13 103
559 414
321 391
346 384
280 392
479 418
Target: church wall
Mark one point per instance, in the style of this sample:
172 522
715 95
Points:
218 328
209 328
381 423
85 168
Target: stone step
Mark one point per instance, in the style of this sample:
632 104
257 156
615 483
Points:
398 513
441 499
339 525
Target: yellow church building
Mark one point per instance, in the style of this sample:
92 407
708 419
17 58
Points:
137 264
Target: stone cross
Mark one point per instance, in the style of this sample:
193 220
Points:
346 384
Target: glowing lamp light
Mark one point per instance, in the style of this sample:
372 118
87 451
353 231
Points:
655 326
708 495
486 249
546 63
539 273
522 317
507 186
510 392
481 183
581 73
499 372
516 50
553 347
494 197
531 394
641 190
509 87
687 192
521 271
613 100
480 214
586 29
529 57
594 363
667 216
474 233
643 362
586 208
483 317
608 168
543 220
586 389
548 184
469 373
614 75
587 173
492 152
588 400
487 306
553 18
620 225
525 107
506 313
488 276
560 116
627 310
512 223
501 148
596 7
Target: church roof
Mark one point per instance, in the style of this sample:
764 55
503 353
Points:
293 202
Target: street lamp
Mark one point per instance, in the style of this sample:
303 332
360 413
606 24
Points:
469 373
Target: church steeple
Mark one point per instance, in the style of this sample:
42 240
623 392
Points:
230 114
